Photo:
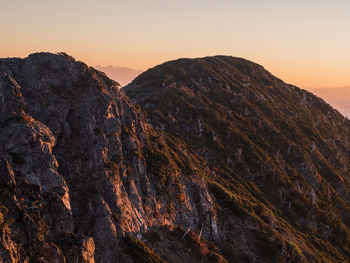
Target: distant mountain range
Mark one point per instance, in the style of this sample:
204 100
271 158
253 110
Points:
338 97
123 75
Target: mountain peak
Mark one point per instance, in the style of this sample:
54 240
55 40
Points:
215 66
265 141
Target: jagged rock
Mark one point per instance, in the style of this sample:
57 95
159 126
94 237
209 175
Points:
74 160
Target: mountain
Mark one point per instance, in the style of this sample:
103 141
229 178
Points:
202 160
123 75
277 156
80 169
338 97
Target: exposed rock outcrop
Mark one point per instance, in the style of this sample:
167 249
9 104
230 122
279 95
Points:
75 168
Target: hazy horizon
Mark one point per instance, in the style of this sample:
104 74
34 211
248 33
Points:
337 97
123 75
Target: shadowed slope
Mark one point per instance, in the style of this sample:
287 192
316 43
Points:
278 155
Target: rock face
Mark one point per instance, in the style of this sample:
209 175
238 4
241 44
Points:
219 161
75 176
278 156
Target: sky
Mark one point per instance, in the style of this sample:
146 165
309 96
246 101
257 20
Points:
303 42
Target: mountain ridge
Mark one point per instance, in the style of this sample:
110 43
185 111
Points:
249 125
218 162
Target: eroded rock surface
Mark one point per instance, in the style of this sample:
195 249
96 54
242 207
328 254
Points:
74 169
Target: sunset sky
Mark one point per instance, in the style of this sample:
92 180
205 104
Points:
304 42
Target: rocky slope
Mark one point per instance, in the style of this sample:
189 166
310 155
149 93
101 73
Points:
276 156
219 162
75 174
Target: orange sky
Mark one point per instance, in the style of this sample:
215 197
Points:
305 43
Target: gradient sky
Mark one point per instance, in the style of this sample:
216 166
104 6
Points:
306 43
